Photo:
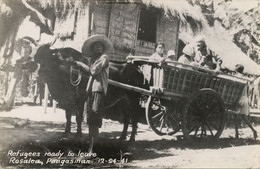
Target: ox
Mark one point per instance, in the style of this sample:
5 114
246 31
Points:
54 69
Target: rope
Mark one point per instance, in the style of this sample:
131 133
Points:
78 80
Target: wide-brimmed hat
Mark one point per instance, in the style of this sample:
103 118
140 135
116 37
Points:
86 48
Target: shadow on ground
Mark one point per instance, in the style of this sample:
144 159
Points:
36 137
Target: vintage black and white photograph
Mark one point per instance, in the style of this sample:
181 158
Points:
129 84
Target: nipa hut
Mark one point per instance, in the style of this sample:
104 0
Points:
133 26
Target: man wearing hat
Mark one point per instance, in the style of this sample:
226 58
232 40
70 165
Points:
22 72
96 48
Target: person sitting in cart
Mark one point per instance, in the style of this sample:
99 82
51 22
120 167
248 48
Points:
206 57
188 55
158 54
243 104
171 55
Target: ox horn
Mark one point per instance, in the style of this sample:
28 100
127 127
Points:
30 39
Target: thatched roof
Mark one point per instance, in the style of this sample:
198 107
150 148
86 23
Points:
236 18
56 14
226 12
220 41
178 8
12 13
217 38
20 8
248 20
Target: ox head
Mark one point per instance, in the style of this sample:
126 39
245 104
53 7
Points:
131 74
43 53
47 55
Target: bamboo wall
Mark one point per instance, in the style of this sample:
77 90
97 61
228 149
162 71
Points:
120 23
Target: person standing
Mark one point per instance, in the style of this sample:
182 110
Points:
96 47
243 105
22 70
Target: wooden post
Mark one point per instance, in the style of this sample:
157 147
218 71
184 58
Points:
54 106
35 89
46 95
6 82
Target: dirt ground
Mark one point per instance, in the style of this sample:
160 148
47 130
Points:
31 138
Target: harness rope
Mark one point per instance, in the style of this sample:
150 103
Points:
79 73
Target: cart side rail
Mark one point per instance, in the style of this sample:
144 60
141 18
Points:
186 82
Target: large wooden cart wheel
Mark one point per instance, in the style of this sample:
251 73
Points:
204 116
161 118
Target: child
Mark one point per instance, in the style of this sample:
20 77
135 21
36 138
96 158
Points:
171 55
96 47
159 49
242 107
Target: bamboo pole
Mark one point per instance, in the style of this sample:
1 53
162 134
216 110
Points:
54 106
129 87
46 95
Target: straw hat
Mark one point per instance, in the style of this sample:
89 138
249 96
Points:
86 48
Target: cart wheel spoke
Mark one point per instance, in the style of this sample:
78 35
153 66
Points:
206 108
203 130
198 106
157 115
160 115
157 104
162 122
173 120
209 128
195 117
197 129
210 102
212 125
194 127
214 108
194 110
174 123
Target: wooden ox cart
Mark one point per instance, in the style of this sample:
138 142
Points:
193 99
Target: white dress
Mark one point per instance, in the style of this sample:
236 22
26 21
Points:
243 106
